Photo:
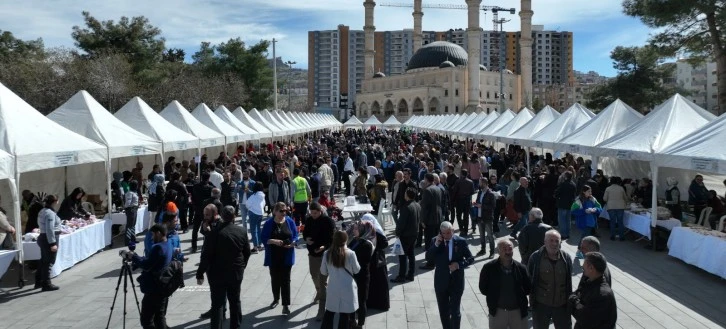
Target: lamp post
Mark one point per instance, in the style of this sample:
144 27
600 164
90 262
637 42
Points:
289 95
274 71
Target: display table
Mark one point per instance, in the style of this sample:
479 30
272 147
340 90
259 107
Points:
6 257
358 208
142 219
640 223
701 250
74 247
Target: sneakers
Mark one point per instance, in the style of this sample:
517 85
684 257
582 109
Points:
579 255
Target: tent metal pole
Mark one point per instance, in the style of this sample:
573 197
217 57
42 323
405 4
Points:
15 193
654 204
109 178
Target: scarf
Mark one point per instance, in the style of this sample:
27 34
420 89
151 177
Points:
158 181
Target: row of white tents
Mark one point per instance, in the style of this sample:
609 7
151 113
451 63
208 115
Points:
355 123
677 139
81 143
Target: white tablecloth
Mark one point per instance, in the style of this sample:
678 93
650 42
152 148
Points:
74 247
705 252
641 223
358 208
6 257
142 219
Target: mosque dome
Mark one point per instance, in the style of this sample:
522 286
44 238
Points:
446 64
379 75
436 53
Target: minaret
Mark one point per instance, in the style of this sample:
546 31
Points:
473 33
417 29
369 30
525 50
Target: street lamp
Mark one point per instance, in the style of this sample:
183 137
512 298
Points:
289 95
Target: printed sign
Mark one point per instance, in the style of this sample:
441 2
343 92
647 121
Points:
704 165
515 142
181 146
138 150
624 155
66 159
538 144
575 149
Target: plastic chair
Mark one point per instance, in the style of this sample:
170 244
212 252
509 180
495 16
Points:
384 214
703 220
721 222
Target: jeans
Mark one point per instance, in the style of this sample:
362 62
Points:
131 214
255 222
616 222
231 292
153 311
521 222
243 213
486 226
280 279
564 221
449 303
542 314
407 261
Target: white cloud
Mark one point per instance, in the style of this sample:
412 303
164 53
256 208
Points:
186 23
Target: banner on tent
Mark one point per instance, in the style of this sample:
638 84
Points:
66 159
624 155
181 146
704 165
498 139
210 143
515 142
538 144
574 149
138 150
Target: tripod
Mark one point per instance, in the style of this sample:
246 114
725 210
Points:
127 276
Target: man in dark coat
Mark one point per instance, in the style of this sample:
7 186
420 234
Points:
461 194
565 195
430 212
506 284
200 193
593 304
409 218
224 259
532 236
522 204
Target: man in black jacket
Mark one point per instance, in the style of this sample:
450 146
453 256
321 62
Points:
200 193
224 259
522 204
430 213
485 203
593 304
506 284
532 236
182 198
461 194
318 233
592 244
565 195
406 230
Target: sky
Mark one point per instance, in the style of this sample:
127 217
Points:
598 25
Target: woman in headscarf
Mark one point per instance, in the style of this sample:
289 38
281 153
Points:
378 297
673 198
156 195
361 234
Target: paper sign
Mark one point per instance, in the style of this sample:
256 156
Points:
515 142
197 159
623 155
538 144
66 159
575 149
181 146
704 165
137 150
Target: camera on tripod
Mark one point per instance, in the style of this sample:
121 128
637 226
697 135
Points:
127 255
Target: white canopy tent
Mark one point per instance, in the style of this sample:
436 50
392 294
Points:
611 121
139 115
497 124
474 131
43 147
84 115
697 151
392 123
225 115
276 115
523 117
353 122
246 119
457 127
545 116
180 117
205 115
576 116
7 167
307 127
276 130
311 120
445 126
472 123
372 121
281 125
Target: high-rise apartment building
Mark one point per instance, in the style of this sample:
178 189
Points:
336 58
701 81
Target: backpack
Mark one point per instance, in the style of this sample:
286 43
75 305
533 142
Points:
171 278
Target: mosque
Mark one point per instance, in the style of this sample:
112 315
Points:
442 77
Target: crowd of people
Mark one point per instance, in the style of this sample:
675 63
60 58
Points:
284 193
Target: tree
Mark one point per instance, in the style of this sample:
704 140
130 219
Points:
639 81
174 55
695 27
135 38
537 105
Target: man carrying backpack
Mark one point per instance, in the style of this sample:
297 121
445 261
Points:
156 299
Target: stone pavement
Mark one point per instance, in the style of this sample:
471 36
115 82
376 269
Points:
652 291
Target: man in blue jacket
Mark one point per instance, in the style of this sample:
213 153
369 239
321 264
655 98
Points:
154 303
451 255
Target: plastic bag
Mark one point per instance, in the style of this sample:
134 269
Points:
397 248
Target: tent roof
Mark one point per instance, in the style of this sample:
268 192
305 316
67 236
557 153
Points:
225 115
372 121
491 117
445 126
696 151
576 116
180 117
84 115
611 121
50 145
205 115
523 117
277 131
545 116
136 113
285 117
245 118
392 122
497 124
308 126
457 127
272 117
664 126
473 123
7 165
353 121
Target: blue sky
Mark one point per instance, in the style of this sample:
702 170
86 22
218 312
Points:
599 25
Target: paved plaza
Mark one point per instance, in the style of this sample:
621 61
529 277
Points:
652 289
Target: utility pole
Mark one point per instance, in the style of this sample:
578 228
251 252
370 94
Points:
289 95
274 71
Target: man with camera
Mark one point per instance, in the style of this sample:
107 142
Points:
154 303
